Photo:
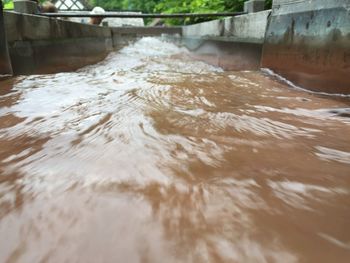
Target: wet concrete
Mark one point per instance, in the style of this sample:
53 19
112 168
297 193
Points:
227 53
249 27
39 45
151 156
310 47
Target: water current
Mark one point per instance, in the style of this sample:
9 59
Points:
150 156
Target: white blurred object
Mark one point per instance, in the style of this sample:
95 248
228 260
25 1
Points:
113 21
118 22
97 11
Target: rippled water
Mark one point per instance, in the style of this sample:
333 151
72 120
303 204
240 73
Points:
150 156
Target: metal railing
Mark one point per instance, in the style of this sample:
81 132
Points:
126 15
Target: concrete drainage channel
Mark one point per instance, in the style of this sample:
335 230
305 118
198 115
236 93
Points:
305 41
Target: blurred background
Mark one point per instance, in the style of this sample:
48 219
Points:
158 6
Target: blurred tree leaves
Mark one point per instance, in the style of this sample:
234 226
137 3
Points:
175 6
169 6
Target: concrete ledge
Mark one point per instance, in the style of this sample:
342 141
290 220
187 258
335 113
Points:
295 6
253 6
25 6
250 26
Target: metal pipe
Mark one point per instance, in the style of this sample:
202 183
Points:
121 15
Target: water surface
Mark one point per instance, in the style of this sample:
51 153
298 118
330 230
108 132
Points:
150 156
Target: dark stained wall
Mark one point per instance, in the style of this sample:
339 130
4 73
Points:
308 42
5 64
39 45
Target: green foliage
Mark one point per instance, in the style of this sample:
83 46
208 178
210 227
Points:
168 6
189 6
136 5
8 4
174 6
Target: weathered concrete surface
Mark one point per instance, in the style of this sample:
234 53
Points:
124 35
5 63
43 45
33 27
308 42
226 53
250 27
25 6
253 6
233 43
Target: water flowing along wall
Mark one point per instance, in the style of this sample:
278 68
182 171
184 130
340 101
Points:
308 42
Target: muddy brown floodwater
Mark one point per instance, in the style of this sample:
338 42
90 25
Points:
150 156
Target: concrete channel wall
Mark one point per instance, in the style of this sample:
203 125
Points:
5 63
308 42
305 41
247 28
234 43
43 45
40 45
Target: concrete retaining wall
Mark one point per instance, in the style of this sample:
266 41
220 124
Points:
226 53
248 28
305 41
308 42
45 45
233 43
5 63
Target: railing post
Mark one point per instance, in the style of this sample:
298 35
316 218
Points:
5 62
253 6
26 6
